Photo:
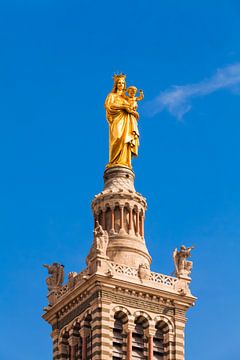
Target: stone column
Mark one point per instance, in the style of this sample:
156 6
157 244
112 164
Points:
112 230
129 345
84 333
104 218
150 347
122 230
121 216
137 222
128 329
149 333
142 224
130 227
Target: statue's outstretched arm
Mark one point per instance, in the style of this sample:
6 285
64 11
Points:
141 96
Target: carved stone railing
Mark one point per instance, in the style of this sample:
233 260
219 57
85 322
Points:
119 270
61 291
64 289
163 279
124 270
156 278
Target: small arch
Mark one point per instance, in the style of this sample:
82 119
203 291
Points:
86 314
64 332
142 321
63 344
164 322
139 338
120 309
142 313
163 326
120 318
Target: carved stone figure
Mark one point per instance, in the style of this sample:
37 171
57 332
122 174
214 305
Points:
122 118
101 239
72 279
100 242
144 272
57 275
182 266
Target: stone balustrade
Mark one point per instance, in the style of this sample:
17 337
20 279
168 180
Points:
122 271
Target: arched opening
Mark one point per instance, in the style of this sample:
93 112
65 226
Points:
119 338
64 347
126 224
108 219
139 340
158 340
100 219
75 343
117 219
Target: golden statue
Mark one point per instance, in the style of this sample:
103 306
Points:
122 117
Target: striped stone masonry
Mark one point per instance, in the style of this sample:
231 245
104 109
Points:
117 308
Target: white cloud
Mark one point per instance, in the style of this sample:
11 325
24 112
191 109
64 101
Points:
177 99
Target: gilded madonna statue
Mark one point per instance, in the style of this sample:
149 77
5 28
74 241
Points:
122 117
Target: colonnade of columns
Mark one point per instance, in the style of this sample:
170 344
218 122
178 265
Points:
156 339
121 218
167 353
75 343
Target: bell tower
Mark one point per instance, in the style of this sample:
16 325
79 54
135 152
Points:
117 307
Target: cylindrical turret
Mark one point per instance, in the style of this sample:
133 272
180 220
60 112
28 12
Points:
120 210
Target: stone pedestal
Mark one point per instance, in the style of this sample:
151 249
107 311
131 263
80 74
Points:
120 210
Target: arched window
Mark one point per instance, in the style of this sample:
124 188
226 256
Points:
119 338
158 340
139 340
158 348
63 347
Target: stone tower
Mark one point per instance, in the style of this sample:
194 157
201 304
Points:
117 308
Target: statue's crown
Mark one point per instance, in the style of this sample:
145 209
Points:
117 76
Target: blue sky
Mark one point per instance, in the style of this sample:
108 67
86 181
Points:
56 66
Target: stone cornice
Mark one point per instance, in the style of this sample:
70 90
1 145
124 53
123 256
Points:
107 288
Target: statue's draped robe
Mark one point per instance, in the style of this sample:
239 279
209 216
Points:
123 132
